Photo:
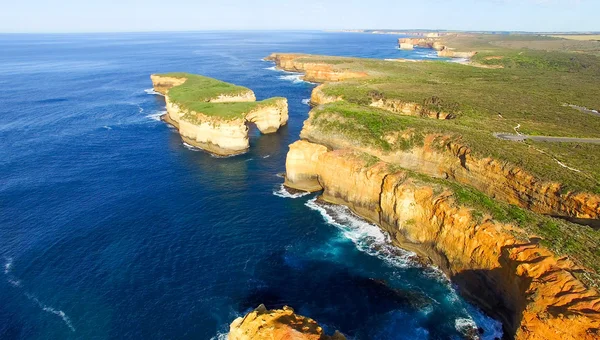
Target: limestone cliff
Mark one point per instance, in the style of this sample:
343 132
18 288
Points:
277 324
445 157
433 43
495 264
313 71
214 133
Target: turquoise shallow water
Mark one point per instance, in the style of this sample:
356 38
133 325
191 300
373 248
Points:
110 227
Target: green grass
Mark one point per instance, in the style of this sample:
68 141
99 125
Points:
530 90
225 111
194 95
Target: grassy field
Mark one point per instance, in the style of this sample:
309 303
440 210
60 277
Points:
225 111
195 93
529 91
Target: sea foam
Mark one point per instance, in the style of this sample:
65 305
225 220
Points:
151 91
156 116
367 237
285 193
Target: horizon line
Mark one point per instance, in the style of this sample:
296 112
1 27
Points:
340 30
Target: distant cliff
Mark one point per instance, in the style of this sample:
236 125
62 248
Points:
277 324
213 115
434 43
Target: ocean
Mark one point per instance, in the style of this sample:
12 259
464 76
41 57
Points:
112 228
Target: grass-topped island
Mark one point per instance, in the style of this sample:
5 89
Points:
420 149
212 115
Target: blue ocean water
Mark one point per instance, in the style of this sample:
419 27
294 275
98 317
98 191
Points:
111 228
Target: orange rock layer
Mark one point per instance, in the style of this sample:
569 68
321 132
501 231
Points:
313 71
519 282
277 324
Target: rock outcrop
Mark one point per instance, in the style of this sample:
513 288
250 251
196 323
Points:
313 71
213 133
277 324
433 43
508 274
443 157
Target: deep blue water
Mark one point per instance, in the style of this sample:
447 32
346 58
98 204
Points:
111 228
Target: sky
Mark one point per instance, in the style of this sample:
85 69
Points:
52 16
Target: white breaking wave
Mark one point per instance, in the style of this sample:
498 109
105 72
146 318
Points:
220 336
306 101
267 156
465 326
151 91
272 68
294 78
49 309
156 116
190 147
193 148
367 237
492 329
17 283
8 265
284 192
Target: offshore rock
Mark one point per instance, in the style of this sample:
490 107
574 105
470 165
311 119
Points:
277 324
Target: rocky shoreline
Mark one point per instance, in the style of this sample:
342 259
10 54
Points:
504 270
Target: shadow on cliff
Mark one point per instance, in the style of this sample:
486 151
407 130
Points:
499 292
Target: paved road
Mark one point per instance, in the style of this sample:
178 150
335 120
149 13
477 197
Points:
520 138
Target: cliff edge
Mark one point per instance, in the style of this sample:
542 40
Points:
482 209
214 115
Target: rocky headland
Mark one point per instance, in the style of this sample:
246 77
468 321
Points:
277 324
436 44
213 115
439 190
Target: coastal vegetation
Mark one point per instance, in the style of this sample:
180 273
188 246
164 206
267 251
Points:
527 95
415 148
200 94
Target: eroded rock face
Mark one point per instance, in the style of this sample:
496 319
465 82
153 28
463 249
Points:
443 158
519 282
270 118
214 134
443 51
314 72
409 109
318 97
277 324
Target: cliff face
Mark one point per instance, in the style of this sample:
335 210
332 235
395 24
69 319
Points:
214 134
409 109
163 84
314 72
443 158
443 51
269 119
277 324
515 280
318 97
